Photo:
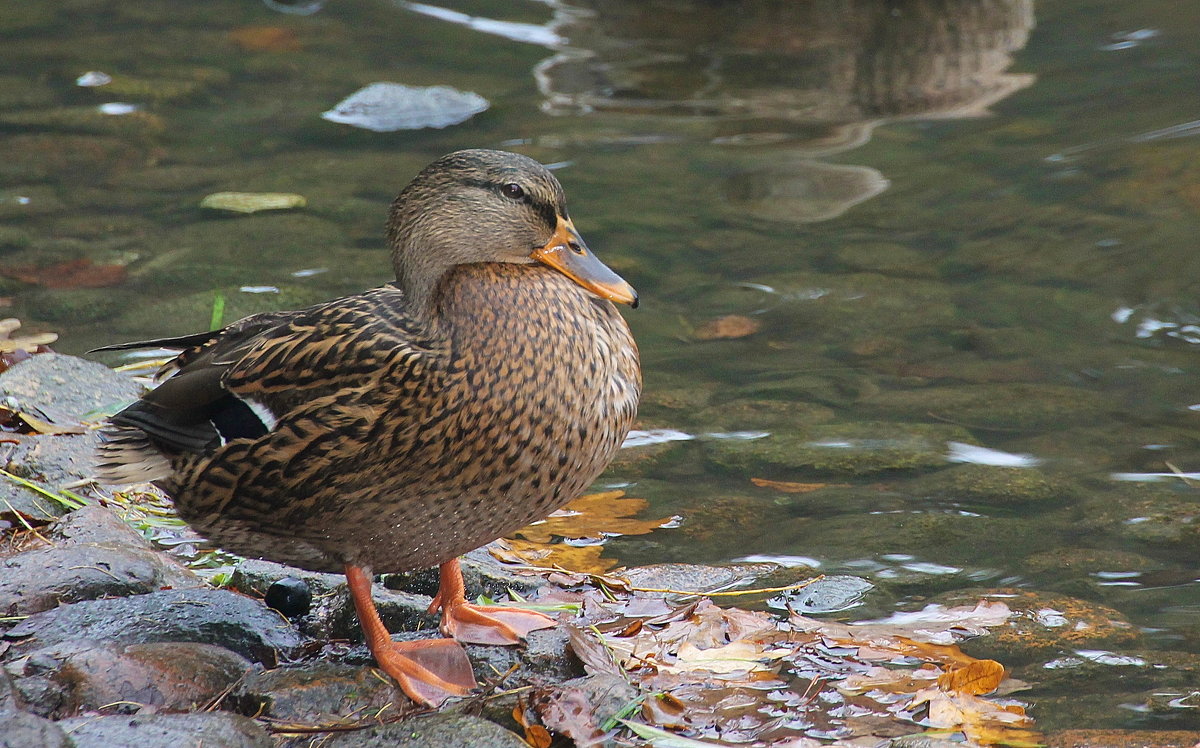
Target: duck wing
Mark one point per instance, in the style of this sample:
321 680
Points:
238 382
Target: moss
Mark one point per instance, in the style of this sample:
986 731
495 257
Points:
992 485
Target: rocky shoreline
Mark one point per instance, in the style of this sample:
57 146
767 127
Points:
108 639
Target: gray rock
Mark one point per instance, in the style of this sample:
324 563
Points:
215 730
65 388
445 730
22 730
39 580
204 616
71 679
52 461
8 694
318 693
830 594
696 577
95 524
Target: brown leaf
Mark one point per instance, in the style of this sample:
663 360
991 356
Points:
568 712
583 559
596 657
978 677
265 39
537 736
80 273
787 486
727 327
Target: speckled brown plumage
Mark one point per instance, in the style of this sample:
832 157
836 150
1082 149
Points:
415 421
398 428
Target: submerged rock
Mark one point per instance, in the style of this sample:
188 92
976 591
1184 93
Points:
841 449
386 107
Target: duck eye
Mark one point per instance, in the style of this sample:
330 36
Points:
513 190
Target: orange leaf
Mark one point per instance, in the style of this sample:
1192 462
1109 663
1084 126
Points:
978 677
265 39
583 559
787 486
537 736
727 327
595 516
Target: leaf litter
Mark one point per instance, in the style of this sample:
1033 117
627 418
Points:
706 675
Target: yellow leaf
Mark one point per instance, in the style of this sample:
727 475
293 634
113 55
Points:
978 677
593 516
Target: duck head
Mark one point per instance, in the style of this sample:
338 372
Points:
489 206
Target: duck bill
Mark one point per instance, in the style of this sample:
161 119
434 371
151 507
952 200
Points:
566 253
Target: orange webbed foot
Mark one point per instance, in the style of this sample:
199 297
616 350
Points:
429 671
481 624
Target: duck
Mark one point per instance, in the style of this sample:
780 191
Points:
399 428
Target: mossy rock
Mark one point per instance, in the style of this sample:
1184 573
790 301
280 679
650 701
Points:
993 486
839 449
1044 626
1012 406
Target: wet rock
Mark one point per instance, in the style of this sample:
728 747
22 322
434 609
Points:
1080 562
992 485
839 449
51 157
289 596
94 524
81 678
23 730
745 414
1123 739
124 122
696 577
444 730
8 694
542 659
828 594
997 406
52 461
1044 626
203 616
215 730
66 388
42 579
1108 672
317 693
332 615
387 107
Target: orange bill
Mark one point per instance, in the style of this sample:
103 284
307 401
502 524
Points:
566 253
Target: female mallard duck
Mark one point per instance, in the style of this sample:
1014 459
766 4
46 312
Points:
402 427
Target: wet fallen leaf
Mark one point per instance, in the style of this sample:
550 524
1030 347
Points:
595 516
735 657
787 486
80 273
265 39
568 711
727 327
976 678
583 559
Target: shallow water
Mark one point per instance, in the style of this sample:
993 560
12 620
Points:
957 223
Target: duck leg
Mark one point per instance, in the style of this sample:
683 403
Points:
429 671
480 624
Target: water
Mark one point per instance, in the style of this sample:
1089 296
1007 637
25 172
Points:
967 230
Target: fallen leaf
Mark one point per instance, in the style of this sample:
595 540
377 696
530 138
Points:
787 486
727 327
583 559
80 273
978 677
660 738
595 516
538 736
734 657
568 712
265 39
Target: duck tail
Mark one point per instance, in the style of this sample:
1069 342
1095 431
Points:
126 455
